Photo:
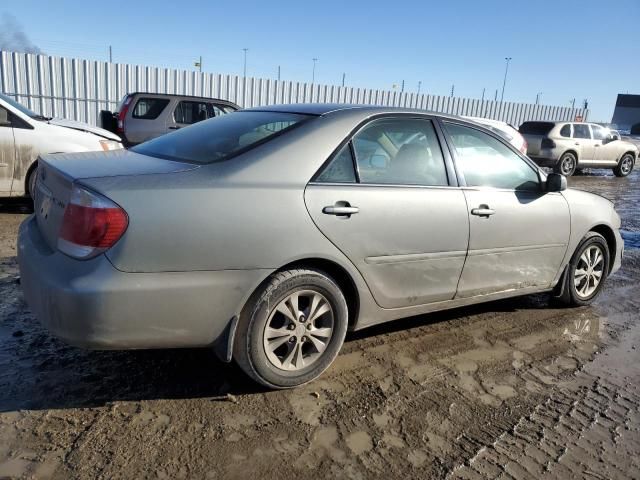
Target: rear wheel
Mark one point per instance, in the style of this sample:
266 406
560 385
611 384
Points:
567 164
625 166
586 271
292 329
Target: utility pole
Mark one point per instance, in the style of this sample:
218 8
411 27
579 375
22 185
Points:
313 73
495 96
402 87
110 55
419 85
278 72
343 77
538 97
198 64
573 103
504 82
453 87
483 89
244 69
585 104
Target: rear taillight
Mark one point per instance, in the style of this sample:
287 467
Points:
547 143
91 224
123 113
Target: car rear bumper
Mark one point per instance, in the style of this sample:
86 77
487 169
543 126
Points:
92 304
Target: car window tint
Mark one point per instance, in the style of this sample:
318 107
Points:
565 131
340 169
220 137
217 110
599 133
191 112
400 151
5 120
149 108
487 162
581 131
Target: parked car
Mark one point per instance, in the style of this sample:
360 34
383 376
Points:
510 133
567 146
142 116
24 135
269 232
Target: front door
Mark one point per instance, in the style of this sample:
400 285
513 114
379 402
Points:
7 152
188 112
607 151
518 233
386 202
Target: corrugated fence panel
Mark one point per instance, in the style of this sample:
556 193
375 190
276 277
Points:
79 89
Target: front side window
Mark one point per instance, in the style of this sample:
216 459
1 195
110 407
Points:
565 131
149 108
599 133
400 151
221 137
487 162
580 130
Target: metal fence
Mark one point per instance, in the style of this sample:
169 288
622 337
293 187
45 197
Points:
78 89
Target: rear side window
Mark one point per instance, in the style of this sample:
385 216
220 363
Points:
536 128
565 131
149 108
341 168
581 131
192 112
221 137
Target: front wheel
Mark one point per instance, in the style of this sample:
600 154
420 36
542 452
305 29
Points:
587 271
292 329
625 166
567 164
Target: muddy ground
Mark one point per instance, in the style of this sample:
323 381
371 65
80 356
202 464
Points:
511 389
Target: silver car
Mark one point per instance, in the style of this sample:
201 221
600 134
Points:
567 146
268 233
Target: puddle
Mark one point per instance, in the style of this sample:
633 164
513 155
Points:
631 239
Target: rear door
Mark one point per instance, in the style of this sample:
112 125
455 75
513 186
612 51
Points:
188 112
7 152
146 119
388 200
584 143
518 233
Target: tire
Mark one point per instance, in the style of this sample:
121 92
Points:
575 294
566 165
288 353
31 182
625 165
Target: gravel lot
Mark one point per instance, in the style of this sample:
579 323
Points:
511 389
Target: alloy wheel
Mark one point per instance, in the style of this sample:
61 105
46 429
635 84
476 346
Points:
589 271
626 165
298 330
567 166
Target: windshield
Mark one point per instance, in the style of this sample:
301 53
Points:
220 137
20 107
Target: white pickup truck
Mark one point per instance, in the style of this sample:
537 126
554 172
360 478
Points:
25 135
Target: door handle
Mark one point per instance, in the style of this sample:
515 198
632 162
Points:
337 210
577 143
174 128
483 211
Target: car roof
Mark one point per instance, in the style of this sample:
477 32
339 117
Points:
326 108
173 95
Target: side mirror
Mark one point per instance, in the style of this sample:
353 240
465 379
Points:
556 182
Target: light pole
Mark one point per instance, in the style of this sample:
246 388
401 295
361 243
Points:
538 97
343 77
244 69
419 85
313 73
504 82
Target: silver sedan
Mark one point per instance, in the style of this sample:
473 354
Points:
268 233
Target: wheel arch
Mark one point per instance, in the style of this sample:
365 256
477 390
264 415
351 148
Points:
573 152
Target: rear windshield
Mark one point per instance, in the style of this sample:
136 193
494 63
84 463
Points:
536 128
219 138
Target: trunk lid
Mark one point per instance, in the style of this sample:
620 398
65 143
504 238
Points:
533 143
57 173
83 127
